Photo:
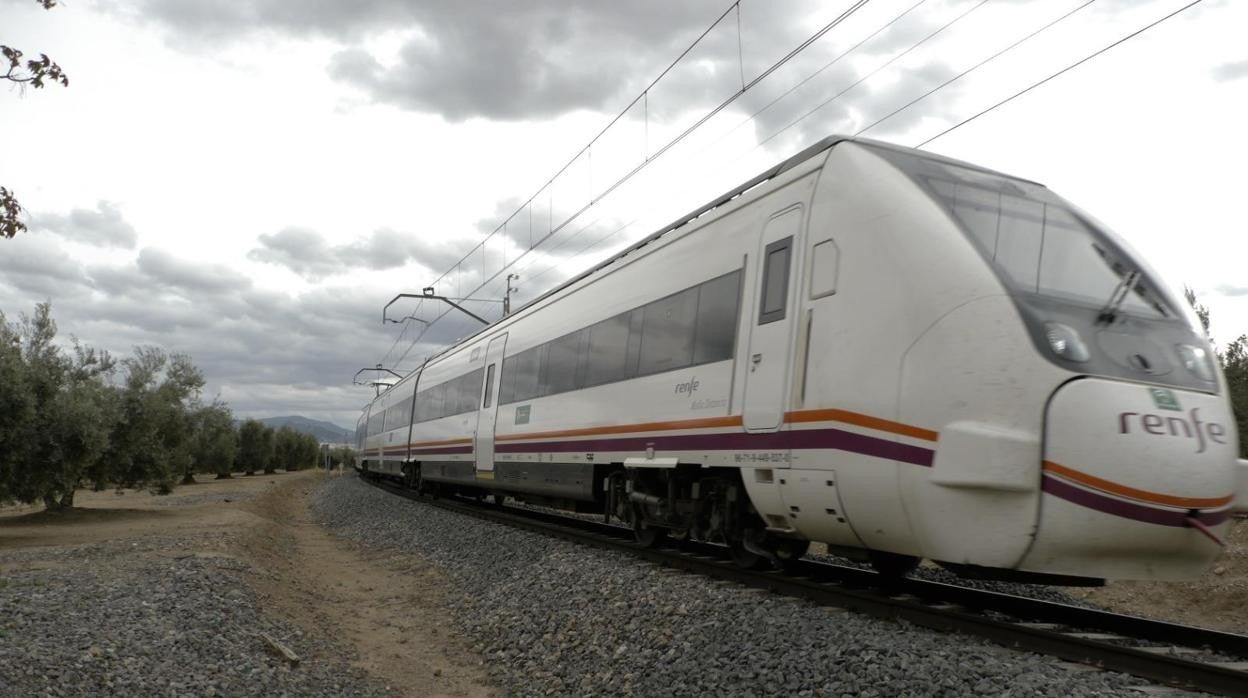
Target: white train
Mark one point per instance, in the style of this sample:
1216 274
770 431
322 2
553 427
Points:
893 353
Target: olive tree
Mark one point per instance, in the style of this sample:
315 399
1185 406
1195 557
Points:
58 411
214 441
150 445
255 448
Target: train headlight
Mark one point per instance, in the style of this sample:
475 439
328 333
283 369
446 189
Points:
1066 342
1197 360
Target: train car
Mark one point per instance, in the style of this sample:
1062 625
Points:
893 353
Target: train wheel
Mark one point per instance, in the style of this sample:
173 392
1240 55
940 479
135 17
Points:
646 535
892 565
499 499
746 559
788 551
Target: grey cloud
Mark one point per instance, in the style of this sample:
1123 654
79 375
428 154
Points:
1231 290
495 59
267 352
303 251
188 275
103 227
307 253
1231 71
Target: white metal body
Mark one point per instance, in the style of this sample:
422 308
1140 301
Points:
899 405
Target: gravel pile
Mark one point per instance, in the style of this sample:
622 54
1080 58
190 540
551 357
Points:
143 618
552 618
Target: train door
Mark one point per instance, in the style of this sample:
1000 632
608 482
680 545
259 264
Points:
769 358
483 436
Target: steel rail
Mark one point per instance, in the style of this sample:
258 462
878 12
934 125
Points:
1072 633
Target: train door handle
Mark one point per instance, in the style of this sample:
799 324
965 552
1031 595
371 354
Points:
755 360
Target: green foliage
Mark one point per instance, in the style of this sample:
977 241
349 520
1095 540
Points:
10 215
342 455
286 448
1202 311
255 447
214 440
150 445
1235 368
308 452
57 413
34 72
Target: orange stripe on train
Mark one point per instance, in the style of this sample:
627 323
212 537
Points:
1133 493
799 417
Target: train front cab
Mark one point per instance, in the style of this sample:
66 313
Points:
1138 481
1083 427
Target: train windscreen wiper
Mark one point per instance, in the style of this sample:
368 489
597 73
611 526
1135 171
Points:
1126 283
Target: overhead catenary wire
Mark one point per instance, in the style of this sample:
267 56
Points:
1063 71
908 105
815 36
970 70
874 72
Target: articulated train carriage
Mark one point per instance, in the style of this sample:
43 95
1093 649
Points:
893 353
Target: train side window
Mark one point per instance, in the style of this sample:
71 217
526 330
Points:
489 386
507 381
472 388
437 396
632 355
525 374
667 332
607 353
716 331
562 355
775 281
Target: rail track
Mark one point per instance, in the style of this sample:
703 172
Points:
1177 655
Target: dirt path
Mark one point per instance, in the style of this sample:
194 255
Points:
385 612
388 607
1218 599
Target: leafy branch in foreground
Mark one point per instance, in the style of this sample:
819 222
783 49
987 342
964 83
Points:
35 72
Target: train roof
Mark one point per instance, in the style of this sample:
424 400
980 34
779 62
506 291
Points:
787 164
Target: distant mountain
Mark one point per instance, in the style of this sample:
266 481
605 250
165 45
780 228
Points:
322 430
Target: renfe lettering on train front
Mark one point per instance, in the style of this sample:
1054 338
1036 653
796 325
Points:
1158 425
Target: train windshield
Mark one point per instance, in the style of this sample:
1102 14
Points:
1038 242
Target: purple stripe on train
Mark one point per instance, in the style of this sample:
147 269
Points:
1129 510
782 441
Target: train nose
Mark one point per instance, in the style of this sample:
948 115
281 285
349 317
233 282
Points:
1138 481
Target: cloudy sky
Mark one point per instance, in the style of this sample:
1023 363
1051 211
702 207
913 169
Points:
251 181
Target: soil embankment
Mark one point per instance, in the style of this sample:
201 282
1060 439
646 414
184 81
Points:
134 593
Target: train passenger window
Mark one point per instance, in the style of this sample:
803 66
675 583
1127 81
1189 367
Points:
716 331
775 281
608 350
472 388
437 395
559 371
667 332
489 385
507 381
525 373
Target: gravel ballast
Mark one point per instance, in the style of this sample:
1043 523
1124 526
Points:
549 617
149 617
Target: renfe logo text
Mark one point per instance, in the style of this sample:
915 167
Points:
1187 428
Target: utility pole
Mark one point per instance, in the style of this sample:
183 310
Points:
507 296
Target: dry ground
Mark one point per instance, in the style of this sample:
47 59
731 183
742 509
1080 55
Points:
1218 599
385 612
